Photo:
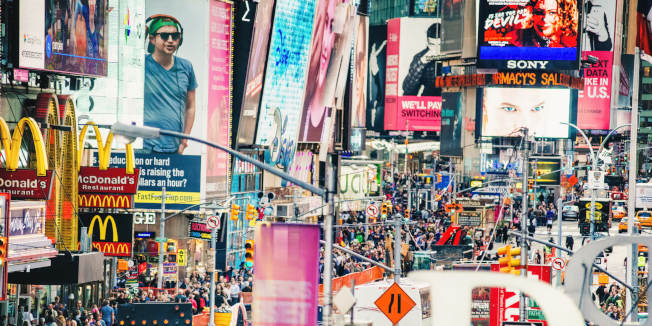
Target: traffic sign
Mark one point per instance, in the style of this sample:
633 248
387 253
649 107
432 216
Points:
181 257
558 264
213 222
372 210
395 303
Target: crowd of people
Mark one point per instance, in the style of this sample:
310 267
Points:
611 300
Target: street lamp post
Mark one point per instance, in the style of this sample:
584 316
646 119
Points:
594 165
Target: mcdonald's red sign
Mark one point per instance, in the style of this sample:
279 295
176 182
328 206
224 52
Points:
93 180
105 201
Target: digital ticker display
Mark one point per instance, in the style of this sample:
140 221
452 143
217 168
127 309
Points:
287 65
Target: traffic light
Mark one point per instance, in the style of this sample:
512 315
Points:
530 184
251 212
235 212
249 253
3 250
383 209
407 213
507 263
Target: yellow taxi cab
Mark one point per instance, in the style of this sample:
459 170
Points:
622 226
645 218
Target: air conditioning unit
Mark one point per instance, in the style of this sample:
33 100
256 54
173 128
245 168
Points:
284 210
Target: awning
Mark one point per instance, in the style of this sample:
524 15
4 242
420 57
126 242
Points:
64 269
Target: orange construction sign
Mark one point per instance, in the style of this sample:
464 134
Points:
395 303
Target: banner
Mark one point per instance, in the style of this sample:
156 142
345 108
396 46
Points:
255 71
199 230
376 79
92 180
285 79
412 101
219 97
178 173
286 260
451 124
112 234
26 184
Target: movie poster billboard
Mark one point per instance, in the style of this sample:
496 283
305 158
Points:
219 96
538 34
452 26
451 124
594 104
412 101
72 39
376 78
287 67
255 71
506 111
644 26
360 64
321 49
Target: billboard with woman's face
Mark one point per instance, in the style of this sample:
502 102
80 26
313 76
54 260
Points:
359 89
314 108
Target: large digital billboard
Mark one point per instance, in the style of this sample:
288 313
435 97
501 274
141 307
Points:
505 111
376 79
528 34
255 71
73 36
360 64
452 118
283 90
412 100
323 38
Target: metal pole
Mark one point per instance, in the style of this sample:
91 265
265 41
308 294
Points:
524 220
328 246
560 202
211 320
632 254
397 248
161 238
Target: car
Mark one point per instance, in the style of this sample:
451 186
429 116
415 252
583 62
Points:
622 226
645 217
570 211
618 212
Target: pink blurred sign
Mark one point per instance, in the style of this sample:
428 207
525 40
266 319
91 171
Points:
286 274
219 90
594 104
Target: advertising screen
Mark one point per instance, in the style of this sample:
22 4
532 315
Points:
412 100
452 27
314 108
255 71
522 34
376 78
287 67
545 171
451 124
72 37
505 111
359 89
644 26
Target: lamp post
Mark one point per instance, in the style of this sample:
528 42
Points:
132 132
594 165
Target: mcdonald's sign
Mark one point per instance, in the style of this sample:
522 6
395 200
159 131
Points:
103 149
24 183
94 180
105 201
111 234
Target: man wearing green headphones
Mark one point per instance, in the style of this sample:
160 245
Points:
170 86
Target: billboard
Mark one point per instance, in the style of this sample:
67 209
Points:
286 257
644 26
412 100
548 171
360 64
376 78
255 71
538 34
26 219
505 111
111 234
219 96
594 104
64 36
425 8
452 119
504 302
452 25
287 67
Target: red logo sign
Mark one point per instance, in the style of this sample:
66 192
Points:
505 303
105 201
395 303
92 180
117 249
25 184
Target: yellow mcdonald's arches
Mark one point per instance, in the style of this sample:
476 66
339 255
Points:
47 106
103 225
11 144
69 185
104 201
103 149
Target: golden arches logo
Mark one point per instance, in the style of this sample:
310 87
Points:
103 149
113 247
103 225
105 201
12 147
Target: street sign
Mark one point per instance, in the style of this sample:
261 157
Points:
558 264
372 210
344 300
213 222
395 303
181 257
596 180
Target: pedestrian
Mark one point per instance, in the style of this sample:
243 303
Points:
569 242
549 217
107 313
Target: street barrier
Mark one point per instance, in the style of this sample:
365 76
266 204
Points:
366 276
450 296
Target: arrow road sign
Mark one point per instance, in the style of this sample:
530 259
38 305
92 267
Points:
372 210
558 264
213 222
395 303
